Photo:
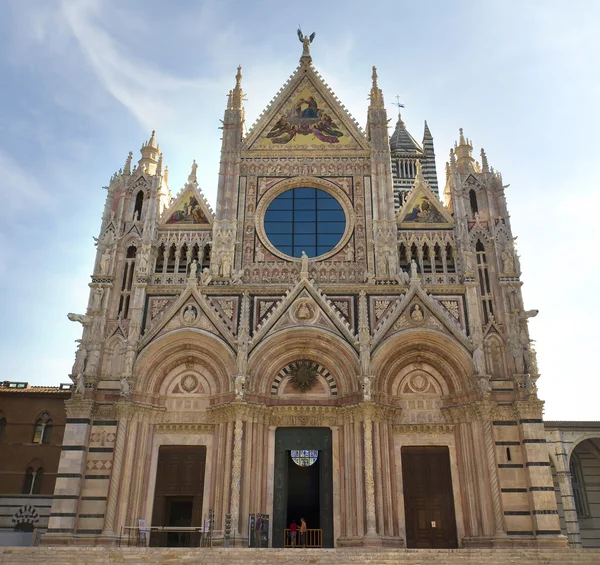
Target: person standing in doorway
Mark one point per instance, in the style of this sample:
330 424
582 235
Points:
302 532
293 530
258 525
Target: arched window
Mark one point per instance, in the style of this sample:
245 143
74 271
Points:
34 476
171 259
42 432
484 282
402 254
439 265
182 267
205 257
494 357
473 200
426 259
127 282
160 259
139 202
2 427
579 491
450 264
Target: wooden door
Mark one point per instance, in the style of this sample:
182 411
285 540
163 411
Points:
179 476
428 499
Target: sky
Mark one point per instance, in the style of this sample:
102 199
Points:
85 81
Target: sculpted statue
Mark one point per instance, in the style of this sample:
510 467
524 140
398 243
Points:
226 266
193 269
97 299
192 176
402 277
468 261
190 314
105 262
240 386
205 276
414 274
142 263
507 261
367 383
483 385
125 388
417 313
259 255
79 385
304 266
93 361
80 357
236 277
129 359
479 355
306 40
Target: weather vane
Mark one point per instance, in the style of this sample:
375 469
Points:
306 41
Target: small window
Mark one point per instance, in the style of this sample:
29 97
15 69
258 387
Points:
304 457
139 202
473 200
42 432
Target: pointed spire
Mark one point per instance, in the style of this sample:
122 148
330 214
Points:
376 94
237 95
426 133
166 175
462 137
452 160
160 165
484 162
192 178
127 168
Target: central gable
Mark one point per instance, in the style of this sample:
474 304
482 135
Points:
305 116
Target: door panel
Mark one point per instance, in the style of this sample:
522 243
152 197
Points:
428 498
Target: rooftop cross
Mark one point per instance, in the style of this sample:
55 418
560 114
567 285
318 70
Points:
397 103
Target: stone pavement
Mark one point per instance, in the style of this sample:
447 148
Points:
187 556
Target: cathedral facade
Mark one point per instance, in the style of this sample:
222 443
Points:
334 342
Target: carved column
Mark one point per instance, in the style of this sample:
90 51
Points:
236 472
490 455
123 412
369 483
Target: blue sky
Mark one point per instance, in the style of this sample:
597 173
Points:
85 81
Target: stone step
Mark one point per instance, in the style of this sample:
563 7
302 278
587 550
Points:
73 555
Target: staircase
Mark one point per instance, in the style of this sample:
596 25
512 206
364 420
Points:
73 555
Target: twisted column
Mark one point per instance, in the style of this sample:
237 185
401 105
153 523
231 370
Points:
490 455
236 472
369 479
115 477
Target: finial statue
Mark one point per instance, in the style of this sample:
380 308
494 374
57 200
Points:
306 40
304 266
192 176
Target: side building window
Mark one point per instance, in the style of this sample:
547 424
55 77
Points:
42 432
2 427
34 476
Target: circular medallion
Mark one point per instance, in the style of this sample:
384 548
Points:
304 311
418 383
416 314
189 383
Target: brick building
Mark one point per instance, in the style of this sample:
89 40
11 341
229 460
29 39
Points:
32 424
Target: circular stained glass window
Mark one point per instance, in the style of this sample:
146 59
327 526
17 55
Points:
304 219
305 457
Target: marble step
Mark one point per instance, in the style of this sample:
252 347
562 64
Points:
73 555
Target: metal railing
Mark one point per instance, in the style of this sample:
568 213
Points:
314 538
193 536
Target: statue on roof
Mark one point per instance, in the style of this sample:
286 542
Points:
306 40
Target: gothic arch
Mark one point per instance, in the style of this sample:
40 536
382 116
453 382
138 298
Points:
209 354
114 351
444 355
571 447
318 345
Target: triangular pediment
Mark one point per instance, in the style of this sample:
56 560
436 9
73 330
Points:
190 310
304 306
417 309
305 115
422 209
188 209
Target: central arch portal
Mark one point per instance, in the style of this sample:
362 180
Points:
305 490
